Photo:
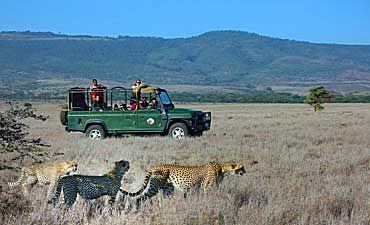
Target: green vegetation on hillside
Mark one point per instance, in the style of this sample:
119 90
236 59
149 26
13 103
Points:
256 97
214 58
213 97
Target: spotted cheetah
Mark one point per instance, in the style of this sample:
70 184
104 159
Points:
184 178
91 187
48 173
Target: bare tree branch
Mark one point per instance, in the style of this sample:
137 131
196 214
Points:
13 135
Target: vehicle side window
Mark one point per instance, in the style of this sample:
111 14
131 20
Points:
166 101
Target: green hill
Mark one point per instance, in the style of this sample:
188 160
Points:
219 58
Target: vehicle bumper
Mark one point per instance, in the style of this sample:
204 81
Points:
203 127
202 122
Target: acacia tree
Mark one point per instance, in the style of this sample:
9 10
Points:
316 96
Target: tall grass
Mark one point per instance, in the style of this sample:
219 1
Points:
313 169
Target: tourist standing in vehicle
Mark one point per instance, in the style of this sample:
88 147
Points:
97 94
135 95
133 104
137 83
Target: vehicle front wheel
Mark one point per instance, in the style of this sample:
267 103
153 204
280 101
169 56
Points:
95 132
178 131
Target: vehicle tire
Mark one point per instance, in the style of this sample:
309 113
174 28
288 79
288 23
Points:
63 114
95 132
178 131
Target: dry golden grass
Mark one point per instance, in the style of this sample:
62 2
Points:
313 169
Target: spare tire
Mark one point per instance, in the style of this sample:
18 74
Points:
63 114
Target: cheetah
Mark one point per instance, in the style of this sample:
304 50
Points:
91 187
184 178
44 174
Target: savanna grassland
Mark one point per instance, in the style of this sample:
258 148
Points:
313 169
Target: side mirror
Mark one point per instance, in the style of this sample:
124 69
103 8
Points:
163 114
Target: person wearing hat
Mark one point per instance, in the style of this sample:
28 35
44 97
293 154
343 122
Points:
137 83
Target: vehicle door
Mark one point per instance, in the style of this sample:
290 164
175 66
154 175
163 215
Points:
150 120
129 122
122 120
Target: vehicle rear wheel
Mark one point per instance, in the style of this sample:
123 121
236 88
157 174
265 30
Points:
63 114
178 131
95 132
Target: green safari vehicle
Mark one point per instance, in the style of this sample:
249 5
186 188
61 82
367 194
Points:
140 110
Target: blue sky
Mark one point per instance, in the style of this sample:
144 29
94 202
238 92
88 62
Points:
324 21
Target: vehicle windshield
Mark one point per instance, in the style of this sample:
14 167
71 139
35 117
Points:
166 101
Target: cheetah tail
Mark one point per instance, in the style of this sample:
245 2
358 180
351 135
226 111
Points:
145 184
18 182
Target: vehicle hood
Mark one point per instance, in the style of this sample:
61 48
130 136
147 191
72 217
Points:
182 113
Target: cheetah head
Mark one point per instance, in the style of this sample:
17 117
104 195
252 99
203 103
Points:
70 167
233 168
123 165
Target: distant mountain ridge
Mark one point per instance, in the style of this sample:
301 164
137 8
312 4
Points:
219 58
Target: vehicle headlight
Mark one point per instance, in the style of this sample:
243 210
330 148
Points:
207 116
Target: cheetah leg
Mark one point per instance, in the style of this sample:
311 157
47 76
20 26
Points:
51 191
168 189
112 199
70 195
154 185
28 184
209 181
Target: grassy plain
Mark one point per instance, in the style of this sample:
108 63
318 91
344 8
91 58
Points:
313 169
